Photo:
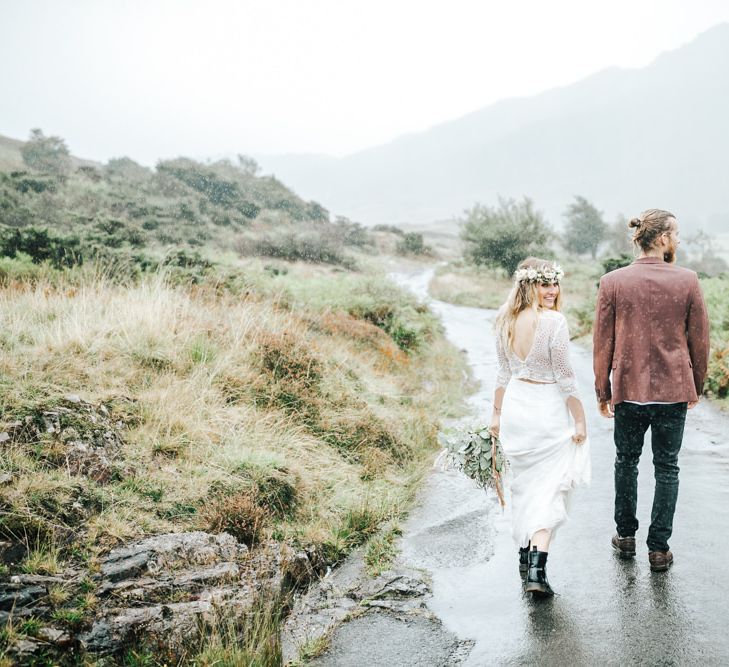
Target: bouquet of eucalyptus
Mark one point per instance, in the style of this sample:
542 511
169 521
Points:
478 454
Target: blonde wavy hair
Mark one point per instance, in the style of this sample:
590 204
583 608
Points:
523 295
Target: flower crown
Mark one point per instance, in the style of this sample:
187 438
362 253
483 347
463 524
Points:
544 274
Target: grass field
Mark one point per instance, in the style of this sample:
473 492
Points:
301 406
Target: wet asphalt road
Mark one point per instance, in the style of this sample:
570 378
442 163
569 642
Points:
608 611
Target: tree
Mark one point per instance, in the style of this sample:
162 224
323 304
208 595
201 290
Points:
505 235
702 257
618 237
585 229
49 155
248 165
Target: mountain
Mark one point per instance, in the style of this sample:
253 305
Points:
627 139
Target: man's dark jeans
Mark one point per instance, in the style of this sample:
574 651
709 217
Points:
631 423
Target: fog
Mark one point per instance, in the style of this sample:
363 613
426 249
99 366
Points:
163 78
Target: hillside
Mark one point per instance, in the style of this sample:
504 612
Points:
69 211
209 394
625 139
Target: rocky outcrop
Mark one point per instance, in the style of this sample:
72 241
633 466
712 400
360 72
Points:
158 593
348 594
80 436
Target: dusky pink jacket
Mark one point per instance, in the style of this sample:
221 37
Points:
651 334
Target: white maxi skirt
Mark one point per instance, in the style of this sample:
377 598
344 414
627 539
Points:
545 464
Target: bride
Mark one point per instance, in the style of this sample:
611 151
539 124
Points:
538 416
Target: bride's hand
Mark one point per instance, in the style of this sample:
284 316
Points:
580 433
495 425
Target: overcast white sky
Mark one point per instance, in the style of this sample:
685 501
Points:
160 78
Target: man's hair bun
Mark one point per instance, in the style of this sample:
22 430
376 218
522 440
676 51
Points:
635 222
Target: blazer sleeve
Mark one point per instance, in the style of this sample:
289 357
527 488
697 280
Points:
603 340
697 334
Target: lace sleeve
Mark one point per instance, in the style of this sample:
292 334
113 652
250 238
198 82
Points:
561 366
503 369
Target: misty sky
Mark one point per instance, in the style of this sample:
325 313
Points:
158 78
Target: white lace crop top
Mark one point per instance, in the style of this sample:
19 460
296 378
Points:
547 361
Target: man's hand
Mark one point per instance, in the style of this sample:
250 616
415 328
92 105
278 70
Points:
692 404
606 409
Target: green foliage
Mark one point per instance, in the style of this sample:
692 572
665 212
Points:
392 229
611 263
715 291
381 551
49 155
476 453
312 648
22 268
211 183
73 619
584 228
30 626
24 182
254 639
505 235
412 244
399 314
355 527
139 658
351 233
315 243
41 246
123 214
583 316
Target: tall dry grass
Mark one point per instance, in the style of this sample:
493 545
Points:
284 398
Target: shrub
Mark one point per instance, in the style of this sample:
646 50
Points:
505 235
219 190
355 527
41 245
288 360
21 269
318 244
412 244
392 229
24 182
238 514
717 377
407 335
359 430
611 263
351 233
584 315
274 488
46 154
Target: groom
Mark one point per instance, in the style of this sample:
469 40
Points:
652 334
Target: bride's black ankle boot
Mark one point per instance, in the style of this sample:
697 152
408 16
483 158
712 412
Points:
523 560
536 581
